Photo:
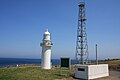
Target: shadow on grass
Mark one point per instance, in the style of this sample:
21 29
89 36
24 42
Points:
4 77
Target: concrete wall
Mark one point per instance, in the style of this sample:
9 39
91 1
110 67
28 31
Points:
81 74
97 71
91 71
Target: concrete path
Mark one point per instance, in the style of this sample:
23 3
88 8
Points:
114 75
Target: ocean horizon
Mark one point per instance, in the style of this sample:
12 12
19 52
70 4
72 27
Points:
19 61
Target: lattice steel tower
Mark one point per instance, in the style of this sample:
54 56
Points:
81 43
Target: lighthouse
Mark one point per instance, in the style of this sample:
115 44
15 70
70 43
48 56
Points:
46 51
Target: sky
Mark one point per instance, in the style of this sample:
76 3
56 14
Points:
23 22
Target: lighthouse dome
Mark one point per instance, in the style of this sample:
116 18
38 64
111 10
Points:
46 33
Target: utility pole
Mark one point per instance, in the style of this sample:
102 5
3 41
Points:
96 55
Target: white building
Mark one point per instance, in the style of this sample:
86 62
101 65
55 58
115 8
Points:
88 72
46 51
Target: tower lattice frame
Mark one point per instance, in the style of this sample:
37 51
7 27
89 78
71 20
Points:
81 43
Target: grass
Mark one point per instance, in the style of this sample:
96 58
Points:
36 73
31 73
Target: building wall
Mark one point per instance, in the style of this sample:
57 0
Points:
97 71
91 71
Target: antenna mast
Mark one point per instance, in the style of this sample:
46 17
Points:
81 43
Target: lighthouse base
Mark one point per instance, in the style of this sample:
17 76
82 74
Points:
46 67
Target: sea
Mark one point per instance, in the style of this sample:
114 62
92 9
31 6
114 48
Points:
19 61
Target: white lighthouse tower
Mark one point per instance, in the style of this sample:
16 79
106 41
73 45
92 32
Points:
46 51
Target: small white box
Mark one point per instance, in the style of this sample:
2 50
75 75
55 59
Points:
91 71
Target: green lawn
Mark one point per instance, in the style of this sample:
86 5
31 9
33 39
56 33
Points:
30 73
36 73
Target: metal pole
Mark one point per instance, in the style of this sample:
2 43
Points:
96 55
